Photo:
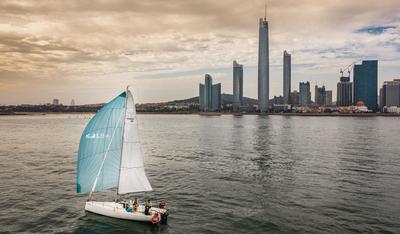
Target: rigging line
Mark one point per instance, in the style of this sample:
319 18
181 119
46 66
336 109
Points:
104 159
123 139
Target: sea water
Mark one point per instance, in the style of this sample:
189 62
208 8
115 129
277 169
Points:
218 174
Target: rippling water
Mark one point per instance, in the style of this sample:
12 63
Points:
221 174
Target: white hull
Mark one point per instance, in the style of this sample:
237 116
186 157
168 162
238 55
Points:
116 210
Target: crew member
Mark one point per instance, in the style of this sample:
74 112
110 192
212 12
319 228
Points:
162 204
147 207
135 205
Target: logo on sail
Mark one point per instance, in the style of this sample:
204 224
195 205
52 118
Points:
97 135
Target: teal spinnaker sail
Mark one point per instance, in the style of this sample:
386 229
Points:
100 148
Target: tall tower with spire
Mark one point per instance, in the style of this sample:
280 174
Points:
263 64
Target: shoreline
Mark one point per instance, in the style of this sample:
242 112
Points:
216 114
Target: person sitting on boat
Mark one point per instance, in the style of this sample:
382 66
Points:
147 207
148 203
135 205
162 204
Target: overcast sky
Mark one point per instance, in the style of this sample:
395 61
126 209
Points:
90 50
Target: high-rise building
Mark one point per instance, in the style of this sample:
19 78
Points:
344 93
263 66
201 97
305 94
366 83
287 73
216 97
237 85
209 95
390 94
320 95
295 98
328 97
208 92
382 97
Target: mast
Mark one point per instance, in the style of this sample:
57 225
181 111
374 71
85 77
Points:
122 142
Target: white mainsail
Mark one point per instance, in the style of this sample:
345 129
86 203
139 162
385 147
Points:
132 177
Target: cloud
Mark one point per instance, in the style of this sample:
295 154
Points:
375 30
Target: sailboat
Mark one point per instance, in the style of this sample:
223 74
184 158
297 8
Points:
109 156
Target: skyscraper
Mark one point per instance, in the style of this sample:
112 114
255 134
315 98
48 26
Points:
287 73
237 85
328 97
202 97
316 94
216 97
205 94
390 94
320 95
366 83
305 94
209 95
344 95
263 66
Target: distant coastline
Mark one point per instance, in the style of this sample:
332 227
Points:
215 114
188 106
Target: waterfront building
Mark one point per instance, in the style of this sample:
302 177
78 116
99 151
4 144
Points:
305 94
382 96
365 79
390 94
56 102
202 105
328 98
295 97
209 95
263 66
287 73
237 85
216 97
282 107
392 109
320 95
344 93
278 100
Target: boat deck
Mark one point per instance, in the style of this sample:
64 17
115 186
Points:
116 210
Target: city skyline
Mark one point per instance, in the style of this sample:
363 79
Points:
163 49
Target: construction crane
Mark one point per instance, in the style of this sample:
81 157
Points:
348 68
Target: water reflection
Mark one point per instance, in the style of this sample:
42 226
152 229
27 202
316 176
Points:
263 140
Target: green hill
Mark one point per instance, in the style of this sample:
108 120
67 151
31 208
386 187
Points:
226 99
